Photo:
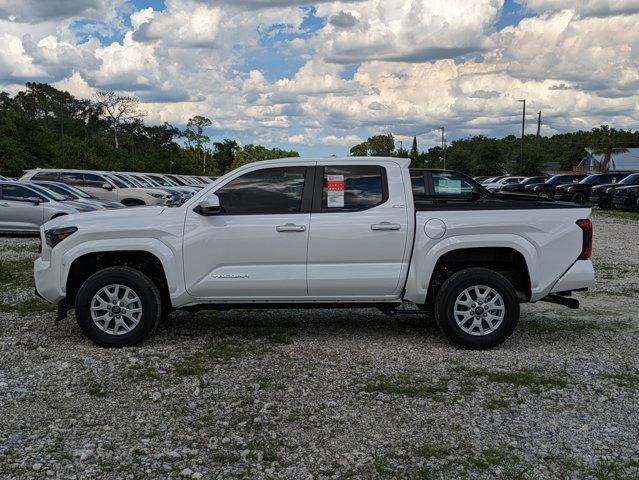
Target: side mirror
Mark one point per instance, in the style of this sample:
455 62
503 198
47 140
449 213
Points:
107 186
34 200
210 205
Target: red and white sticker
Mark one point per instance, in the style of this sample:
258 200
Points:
335 191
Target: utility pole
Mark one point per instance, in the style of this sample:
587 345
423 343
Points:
443 147
61 134
523 128
539 125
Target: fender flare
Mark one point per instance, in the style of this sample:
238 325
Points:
421 269
168 258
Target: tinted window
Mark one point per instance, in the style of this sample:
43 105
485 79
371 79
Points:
267 191
72 178
16 192
116 181
46 176
417 182
47 193
512 180
59 190
93 181
451 184
353 187
631 179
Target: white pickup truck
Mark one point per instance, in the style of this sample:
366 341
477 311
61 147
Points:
307 233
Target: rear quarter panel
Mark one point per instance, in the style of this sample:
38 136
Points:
549 240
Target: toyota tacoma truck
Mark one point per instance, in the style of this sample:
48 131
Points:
321 233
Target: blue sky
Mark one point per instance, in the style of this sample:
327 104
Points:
321 77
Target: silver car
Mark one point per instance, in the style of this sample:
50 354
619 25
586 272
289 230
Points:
23 208
78 195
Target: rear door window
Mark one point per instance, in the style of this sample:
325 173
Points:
93 181
72 178
448 184
353 187
18 193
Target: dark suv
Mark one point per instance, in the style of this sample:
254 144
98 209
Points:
626 198
521 186
547 189
601 195
580 192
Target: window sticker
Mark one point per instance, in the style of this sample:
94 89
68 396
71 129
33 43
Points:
335 191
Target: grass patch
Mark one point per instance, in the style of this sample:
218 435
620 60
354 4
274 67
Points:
30 306
617 214
17 273
409 384
96 389
140 372
520 378
628 377
220 352
498 404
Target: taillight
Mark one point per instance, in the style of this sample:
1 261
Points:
586 228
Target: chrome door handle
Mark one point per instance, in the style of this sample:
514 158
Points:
385 226
291 227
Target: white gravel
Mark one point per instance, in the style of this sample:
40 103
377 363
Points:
328 394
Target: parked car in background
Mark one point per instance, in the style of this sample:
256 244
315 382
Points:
626 198
580 192
102 185
547 189
52 195
481 178
147 180
499 184
493 179
601 195
24 208
521 186
181 180
3 178
78 195
133 182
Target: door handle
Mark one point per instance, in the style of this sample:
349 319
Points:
291 227
385 226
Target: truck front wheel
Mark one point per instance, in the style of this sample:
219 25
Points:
118 307
477 308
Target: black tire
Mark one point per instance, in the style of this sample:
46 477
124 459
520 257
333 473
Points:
140 284
453 288
579 198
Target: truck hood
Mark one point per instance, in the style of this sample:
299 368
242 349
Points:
108 219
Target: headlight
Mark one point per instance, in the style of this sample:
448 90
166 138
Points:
571 189
608 190
56 235
536 189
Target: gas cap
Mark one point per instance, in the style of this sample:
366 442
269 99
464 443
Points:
435 228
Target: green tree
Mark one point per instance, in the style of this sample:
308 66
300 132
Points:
196 138
224 155
414 154
381 145
606 145
359 150
118 110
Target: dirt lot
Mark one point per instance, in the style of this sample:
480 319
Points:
326 394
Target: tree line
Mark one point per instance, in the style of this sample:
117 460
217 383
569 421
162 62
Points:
42 126
481 155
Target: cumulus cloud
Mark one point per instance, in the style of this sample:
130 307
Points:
418 64
32 11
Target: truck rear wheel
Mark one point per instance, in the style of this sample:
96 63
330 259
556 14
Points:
477 308
118 307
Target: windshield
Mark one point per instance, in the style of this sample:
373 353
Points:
161 180
118 183
555 179
50 194
128 180
148 182
589 179
77 192
630 179
530 180
58 189
177 180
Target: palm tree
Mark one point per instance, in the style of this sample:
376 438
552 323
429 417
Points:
606 146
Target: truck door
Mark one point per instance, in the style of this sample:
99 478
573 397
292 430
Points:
256 247
359 231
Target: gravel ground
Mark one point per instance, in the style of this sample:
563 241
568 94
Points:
326 394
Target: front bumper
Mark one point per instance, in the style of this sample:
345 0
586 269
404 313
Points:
579 277
623 202
563 196
47 281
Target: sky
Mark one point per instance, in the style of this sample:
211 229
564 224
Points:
319 77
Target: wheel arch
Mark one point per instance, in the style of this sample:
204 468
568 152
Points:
152 258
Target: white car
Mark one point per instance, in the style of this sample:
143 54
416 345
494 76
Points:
338 232
495 186
102 185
